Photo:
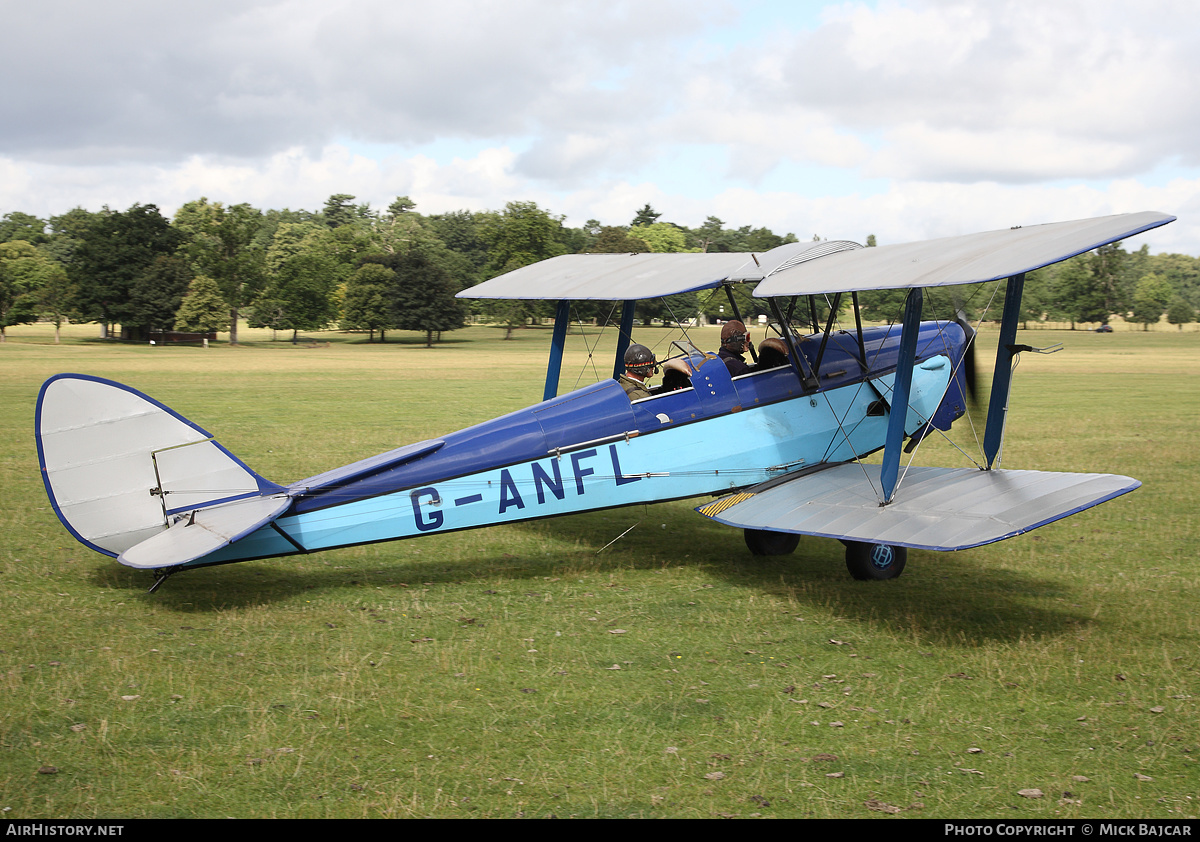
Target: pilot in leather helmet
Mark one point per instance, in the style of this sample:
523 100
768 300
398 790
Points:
640 365
735 339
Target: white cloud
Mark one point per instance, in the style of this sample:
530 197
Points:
138 80
911 211
1085 76
1009 155
903 119
902 40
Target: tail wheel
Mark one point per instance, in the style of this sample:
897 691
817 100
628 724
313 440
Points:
868 562
767 542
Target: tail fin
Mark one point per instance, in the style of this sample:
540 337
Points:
121 468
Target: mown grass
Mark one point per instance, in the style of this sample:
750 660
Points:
526 671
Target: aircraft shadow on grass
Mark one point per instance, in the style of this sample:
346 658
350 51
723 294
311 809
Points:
998 605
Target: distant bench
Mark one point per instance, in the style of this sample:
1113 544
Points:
178 337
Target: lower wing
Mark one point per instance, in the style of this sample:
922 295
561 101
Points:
934 508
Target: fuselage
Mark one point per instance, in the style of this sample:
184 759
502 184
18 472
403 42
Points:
593 449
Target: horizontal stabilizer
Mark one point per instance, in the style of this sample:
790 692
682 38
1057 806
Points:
196 534
933 509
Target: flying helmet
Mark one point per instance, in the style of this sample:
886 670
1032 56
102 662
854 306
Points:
734 333
640 359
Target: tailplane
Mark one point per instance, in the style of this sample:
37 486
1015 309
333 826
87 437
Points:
120 469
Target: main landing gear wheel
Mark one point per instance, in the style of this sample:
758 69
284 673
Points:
868 562
767 542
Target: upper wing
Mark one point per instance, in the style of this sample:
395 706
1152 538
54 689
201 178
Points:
966 259
625 277
815 268
939 509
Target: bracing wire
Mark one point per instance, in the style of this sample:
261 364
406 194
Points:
953 374
591 349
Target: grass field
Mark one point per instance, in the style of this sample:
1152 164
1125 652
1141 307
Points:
536 670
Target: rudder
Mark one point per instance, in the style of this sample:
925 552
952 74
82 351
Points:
118 466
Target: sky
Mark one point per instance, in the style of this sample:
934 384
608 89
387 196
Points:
906 119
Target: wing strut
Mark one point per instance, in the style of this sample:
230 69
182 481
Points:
862 349
890 470
624 337
993 435
799 364
833 311
562 319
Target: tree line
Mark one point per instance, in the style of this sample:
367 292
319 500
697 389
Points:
378 270
1094 287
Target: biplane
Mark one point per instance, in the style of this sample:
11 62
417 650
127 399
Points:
780 450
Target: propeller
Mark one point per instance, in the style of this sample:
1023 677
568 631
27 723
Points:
977 400
968 362
972 405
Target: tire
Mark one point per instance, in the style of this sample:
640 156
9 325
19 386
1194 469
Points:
875 562
766 542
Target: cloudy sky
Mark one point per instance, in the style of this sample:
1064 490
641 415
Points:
905 119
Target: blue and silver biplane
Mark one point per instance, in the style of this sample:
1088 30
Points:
780 448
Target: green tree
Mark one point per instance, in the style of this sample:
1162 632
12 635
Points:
56 298
202 310
588 234
763 239
272 219
420 287
1179 311
1134 266
1076 296
156 293
367 303
67 233
300 295
1108 265
712 236
461 233
661 237
116 248
522 234
402 204
424 298
22 272
1181 271
22 226
340 210
614 240
646 216
1150 299
290 239
1036 298
223 243
390 232
348 245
